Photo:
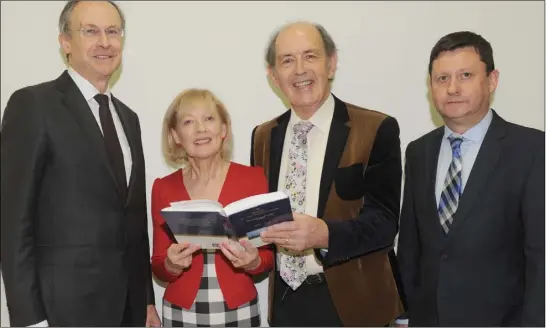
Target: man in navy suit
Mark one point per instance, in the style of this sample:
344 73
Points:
471 244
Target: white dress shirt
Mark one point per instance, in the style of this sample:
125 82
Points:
317 139
89 91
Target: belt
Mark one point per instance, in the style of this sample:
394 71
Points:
316 279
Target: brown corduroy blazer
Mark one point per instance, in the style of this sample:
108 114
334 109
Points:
359 199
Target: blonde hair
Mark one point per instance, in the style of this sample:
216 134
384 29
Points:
175 156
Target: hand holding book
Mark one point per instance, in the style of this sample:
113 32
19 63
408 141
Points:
208 223
242 255
179 257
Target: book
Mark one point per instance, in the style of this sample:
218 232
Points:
208 223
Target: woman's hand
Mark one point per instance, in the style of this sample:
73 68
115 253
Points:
179 257
242 255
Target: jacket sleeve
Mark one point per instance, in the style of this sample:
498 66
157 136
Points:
376 226
23 158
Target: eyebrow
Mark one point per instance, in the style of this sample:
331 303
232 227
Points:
314 50
93 25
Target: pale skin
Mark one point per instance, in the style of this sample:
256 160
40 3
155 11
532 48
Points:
95 49
302 72
461 89
96 57
201 132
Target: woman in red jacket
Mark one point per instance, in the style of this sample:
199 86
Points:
206 288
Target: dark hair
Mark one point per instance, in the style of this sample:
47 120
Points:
464 39
329 44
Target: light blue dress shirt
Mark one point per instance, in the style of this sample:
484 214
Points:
472 141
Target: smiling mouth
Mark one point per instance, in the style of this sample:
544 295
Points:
102 57
302 84
202 141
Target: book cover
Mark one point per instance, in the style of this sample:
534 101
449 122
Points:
208 224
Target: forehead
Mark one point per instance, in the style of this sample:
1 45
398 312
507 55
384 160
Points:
197 107
298 38
100 13
456 59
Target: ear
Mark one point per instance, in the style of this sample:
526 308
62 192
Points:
272 73
224 131
332 66
493 80
175 137
64 41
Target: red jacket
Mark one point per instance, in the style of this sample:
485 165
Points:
236 284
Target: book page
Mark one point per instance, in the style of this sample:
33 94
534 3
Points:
198 205
253 201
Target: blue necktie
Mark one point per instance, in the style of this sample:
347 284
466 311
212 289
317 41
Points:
449 199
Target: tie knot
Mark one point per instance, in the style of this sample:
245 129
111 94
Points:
303 127
101 99
455 144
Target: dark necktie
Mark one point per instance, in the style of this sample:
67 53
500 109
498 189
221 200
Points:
111 141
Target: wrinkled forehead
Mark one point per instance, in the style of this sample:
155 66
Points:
298 39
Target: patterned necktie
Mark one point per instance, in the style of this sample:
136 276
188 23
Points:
449 199
292 264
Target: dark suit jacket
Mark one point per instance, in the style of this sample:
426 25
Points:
71 248
489 270
359 199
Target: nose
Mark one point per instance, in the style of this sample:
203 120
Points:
453 87
300 67
201 126
104 41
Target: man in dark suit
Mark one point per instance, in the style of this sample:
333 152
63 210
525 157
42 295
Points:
471 244
341 166
75 248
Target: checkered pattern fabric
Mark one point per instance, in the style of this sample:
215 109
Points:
209 308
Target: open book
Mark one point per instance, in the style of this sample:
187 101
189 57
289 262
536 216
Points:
208 223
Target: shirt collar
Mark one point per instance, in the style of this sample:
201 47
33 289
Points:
87 89
321 119
477 132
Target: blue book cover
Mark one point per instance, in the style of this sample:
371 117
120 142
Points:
208 223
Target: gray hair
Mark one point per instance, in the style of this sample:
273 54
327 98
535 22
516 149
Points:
66 14
329 44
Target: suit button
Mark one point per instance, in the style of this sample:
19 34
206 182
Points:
443 257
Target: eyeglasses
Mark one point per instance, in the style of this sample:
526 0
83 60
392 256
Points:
94 33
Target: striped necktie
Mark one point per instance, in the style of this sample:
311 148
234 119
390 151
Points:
453 184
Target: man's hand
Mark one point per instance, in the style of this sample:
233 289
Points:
152 318
303 233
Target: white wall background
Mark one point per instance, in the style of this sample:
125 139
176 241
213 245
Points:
383 57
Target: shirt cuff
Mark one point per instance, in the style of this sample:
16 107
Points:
40 324
402 321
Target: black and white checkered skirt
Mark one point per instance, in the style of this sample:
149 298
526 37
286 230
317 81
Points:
209 308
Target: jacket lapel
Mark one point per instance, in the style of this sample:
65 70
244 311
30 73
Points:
483 168
337 138
431 168
77 105
277 142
